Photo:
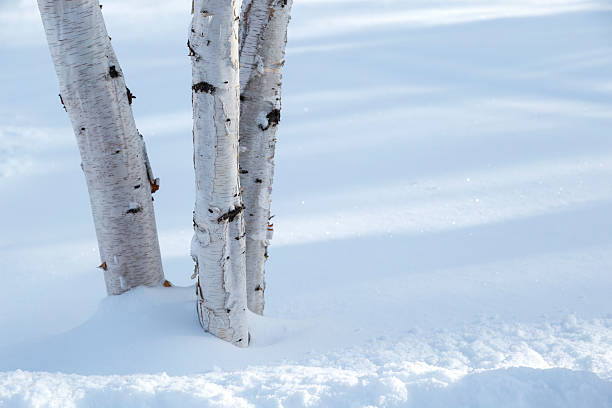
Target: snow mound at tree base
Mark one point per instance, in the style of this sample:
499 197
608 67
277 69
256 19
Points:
299 386
152 339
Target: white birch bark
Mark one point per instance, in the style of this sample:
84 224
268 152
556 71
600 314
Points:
113 153
263 38
218 244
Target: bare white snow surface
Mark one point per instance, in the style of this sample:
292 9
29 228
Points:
443 202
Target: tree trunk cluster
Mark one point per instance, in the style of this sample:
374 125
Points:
237 57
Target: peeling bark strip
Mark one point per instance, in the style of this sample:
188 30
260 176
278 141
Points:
94 93
130 95
263 38
154 185
219 257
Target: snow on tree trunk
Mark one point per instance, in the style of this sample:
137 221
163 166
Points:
263 38
113 153
218 245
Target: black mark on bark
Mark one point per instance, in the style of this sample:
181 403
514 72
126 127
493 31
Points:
134 210
231 215
62 101
204 87
273 119
192 52
112 71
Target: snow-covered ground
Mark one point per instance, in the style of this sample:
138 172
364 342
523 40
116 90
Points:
443 203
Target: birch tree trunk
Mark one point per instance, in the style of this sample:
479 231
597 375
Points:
262 52
113 154
218 243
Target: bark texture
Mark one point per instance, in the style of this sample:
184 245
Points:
113 153
218 245
262 52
